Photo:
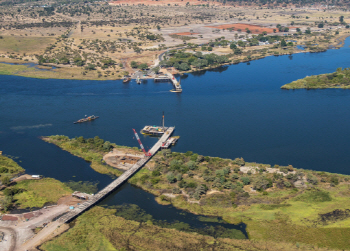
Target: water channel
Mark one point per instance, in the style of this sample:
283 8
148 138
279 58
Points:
229 112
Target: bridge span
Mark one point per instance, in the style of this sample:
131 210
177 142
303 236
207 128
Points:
116 183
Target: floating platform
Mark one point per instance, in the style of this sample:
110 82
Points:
90 118
171 141
154 130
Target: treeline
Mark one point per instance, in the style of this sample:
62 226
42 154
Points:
65 24
184 60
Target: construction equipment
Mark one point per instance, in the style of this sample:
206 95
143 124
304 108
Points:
143 149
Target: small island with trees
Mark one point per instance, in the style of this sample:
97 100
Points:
338 79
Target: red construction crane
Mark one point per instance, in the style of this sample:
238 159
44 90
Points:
143 149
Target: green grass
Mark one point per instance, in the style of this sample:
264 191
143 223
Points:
22 45
314 196
39 192
9 167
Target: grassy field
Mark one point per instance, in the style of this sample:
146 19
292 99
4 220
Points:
100 229
58 73
29 45
36 193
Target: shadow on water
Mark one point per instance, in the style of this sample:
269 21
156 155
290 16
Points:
134 203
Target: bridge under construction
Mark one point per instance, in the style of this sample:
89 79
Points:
93 200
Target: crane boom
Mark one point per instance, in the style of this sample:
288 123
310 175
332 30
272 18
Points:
143 149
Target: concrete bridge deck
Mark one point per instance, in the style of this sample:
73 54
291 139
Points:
116 183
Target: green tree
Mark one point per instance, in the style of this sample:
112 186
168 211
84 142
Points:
5 180
238 51
134 64
283 43
233 46
143 66
171 178
341 19
245 180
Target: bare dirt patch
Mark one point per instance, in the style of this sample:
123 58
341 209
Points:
162 2
184 34
256 29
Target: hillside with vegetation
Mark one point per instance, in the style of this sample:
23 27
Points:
278 203
338 79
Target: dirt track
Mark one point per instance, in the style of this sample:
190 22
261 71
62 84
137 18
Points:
19 234
9 241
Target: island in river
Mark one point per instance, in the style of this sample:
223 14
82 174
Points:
338 79
281 205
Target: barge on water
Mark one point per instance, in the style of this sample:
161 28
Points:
171 141
155 130
126 79
86 119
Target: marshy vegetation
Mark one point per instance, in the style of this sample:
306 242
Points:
280 200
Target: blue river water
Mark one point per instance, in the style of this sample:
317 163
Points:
229 112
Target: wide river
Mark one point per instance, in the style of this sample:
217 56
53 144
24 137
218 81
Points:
234 111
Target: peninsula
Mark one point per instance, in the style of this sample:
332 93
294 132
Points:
338 79
279 204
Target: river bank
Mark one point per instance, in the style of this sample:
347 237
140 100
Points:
79 73
278 200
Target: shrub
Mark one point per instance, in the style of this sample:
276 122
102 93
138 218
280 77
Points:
144 178
155 181
284 169
176 190
312 179
239 161
191 165
191 185
155 173
334 180
287 184
245 180
3 169
171 178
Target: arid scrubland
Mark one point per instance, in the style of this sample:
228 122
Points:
99 40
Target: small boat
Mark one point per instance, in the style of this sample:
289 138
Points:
138 81
90 118
126 79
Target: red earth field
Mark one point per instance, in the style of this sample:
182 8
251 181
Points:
256 29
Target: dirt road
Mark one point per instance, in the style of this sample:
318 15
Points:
19 234
9 241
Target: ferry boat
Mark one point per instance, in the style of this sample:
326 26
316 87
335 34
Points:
155 130
90 118
126 79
